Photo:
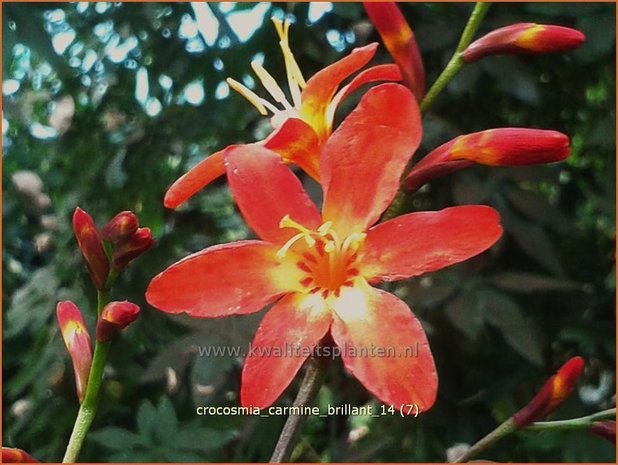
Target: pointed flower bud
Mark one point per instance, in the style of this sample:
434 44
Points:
400 43
553 393
493 147
121 227
524 38
131 248
605 429
115 317
10 455
91 246
77 341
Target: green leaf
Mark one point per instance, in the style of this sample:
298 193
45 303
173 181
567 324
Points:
166 423
146 421
117 438
518 332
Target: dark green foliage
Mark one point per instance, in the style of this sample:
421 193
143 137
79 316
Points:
498 325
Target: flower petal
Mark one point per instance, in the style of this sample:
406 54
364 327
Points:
386 72
285 339
384 346
322 86
364 158
296 142
419 242
400 43
237 278
266 190
198 177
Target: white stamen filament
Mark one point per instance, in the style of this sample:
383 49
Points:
270 84
254 99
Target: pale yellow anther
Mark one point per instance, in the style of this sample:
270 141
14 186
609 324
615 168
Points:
251 96
329 247
353 241
325 228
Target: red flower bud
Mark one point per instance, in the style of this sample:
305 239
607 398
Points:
77 341
553 393
121 227
605 429
10 455
131 248
400 43
90 244
524 38
115 317
493 147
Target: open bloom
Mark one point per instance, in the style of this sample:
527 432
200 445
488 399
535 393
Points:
553 393
77 341
319 267
301 126
492 147
524 38
400 43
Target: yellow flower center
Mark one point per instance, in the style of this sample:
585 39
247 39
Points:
296 82
327 261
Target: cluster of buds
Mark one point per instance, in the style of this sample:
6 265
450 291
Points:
106 252
494 147
109 251
114 317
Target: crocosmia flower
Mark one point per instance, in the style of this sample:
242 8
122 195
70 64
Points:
77 341
301 125
10 455
318 268
115 317
524 38
493 147
91 246
400 43
553 393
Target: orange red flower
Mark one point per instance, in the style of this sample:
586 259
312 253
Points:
302 125
319 267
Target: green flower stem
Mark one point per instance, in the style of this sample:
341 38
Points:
88 408
509 427
456 62
314 376
573 423
504 429
452 68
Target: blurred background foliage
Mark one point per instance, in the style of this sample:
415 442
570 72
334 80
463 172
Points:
106 104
